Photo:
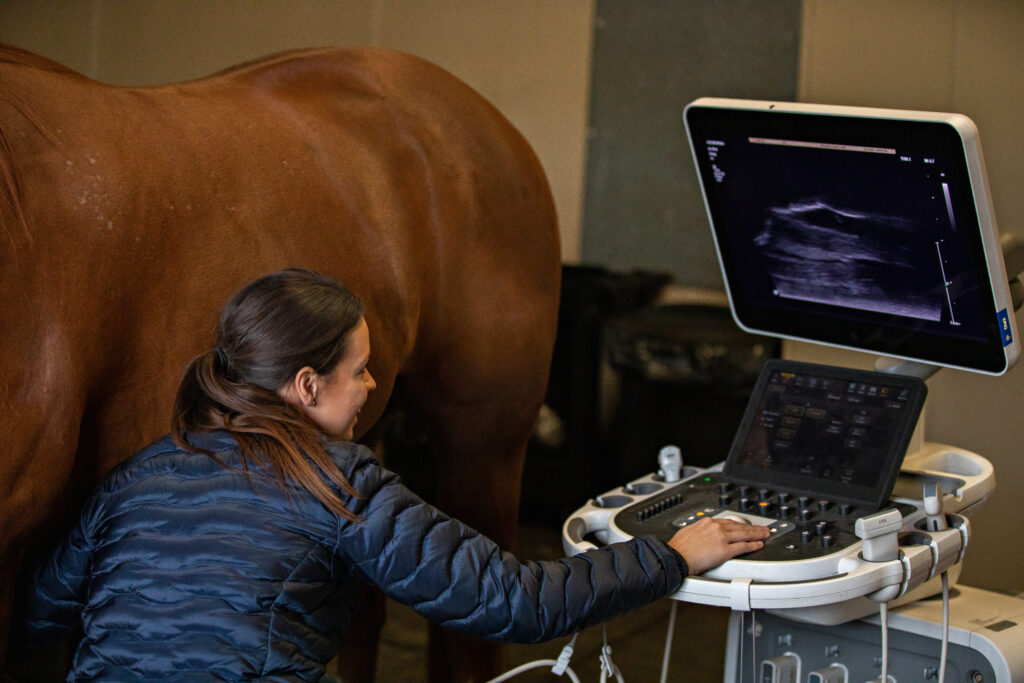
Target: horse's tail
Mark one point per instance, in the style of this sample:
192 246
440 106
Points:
10 187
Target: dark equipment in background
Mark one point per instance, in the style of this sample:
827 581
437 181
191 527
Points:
680 374
685 373
568 458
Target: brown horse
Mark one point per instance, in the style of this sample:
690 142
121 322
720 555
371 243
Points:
129 215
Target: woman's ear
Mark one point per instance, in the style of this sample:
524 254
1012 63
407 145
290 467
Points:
303 388
307 384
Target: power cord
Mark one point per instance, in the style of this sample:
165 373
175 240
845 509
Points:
608 667
935 520
558 666
945 627
670 632
753 645
883 613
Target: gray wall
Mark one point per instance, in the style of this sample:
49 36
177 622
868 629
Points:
642 204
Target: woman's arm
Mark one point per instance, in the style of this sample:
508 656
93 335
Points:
58 591
458 578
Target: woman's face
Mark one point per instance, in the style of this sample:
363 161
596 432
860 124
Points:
341 393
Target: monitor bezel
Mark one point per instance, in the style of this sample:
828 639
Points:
865 125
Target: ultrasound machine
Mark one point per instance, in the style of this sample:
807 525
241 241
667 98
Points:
866 229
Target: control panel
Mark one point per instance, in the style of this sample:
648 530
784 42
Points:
812 568
803 527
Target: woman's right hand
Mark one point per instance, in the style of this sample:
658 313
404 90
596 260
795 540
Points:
710 542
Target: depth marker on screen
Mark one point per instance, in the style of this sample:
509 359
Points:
945 285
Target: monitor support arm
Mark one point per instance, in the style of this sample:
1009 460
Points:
1013 258
911 368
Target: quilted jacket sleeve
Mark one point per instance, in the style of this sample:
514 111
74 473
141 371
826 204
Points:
460 579
56 597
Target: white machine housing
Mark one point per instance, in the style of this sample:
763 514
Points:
833 589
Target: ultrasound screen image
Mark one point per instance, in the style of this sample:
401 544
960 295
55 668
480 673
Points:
864 233
814 251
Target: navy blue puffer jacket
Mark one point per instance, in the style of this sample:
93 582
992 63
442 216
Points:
182 569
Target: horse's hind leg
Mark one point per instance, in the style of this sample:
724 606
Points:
477 408
478 476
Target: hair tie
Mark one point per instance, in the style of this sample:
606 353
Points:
222 357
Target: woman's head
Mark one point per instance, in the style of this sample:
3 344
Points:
302 336
288 372
282 322
333 400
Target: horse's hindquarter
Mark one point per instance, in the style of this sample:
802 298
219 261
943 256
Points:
456 212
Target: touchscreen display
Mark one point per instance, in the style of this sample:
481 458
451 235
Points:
826 431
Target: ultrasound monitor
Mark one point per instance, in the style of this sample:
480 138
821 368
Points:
869 229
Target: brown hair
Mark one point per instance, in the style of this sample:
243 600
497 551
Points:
268 331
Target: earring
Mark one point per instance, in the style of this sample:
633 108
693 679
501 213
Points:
312 403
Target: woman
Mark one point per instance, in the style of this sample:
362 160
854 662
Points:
231 548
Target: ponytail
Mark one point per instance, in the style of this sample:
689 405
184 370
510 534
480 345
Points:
259 328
